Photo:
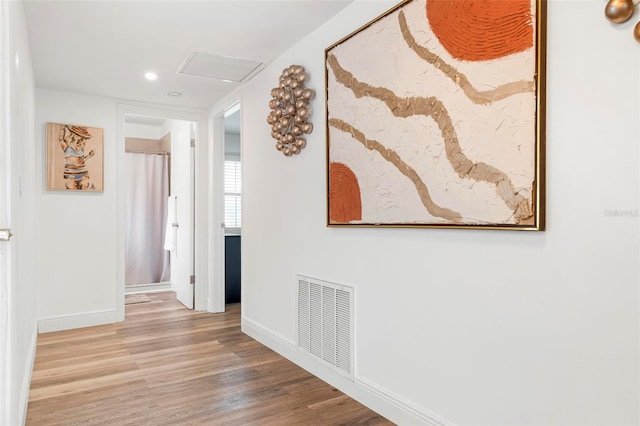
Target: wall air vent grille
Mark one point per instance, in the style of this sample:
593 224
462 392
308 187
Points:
325 323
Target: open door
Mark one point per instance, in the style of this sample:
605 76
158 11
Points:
181 212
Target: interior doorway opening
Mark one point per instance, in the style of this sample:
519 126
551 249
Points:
159 205
232 205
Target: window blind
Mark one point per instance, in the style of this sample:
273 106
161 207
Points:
232 194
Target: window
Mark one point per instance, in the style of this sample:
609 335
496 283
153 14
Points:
232 194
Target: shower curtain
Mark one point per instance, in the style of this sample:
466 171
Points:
147 189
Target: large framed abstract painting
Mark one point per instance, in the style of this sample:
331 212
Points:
435 117
75 158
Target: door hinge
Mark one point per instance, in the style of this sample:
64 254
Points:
192 279
5 234
193 143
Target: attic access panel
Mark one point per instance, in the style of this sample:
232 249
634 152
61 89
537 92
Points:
226 68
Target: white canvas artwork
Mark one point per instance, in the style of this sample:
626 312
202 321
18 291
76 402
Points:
434 117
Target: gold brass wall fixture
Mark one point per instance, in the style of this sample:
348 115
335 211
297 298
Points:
619 11
290 111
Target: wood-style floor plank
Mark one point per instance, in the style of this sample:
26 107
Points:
167 365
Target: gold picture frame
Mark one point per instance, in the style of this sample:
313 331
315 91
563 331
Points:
436 117
75 158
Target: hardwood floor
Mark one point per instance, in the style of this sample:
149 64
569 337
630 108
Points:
166 365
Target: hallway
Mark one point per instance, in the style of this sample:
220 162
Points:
166 365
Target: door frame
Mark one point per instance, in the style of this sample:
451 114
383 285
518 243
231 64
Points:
201 203
6 278
216 228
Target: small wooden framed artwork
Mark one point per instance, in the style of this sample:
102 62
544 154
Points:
75 158
435 117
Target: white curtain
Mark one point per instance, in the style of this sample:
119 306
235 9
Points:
147 189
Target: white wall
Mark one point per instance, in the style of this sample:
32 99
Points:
82 287
76 232
143 131
466 326
22 334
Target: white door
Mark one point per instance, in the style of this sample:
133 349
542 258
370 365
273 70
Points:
5 274
5 209
5 280
182 188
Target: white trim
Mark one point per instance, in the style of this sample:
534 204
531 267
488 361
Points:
211 306
85 319
26 381
218 292
147 288
235 107
410 409
6 283
251 327
387 404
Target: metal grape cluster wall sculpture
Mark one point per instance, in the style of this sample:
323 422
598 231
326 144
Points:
290 111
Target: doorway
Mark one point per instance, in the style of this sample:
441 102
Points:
232 205
149 236
184 150
159 192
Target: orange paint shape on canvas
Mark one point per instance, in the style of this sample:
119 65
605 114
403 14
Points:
344 194
483 30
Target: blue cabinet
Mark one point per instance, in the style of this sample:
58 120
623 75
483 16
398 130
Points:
232 268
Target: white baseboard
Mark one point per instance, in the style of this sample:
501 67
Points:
385 403
411 411
85 319
26 380
249 327
147 288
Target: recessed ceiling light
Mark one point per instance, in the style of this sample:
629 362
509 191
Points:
151 76
174 93
227 81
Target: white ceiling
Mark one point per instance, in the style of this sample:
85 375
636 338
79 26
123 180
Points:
105 47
